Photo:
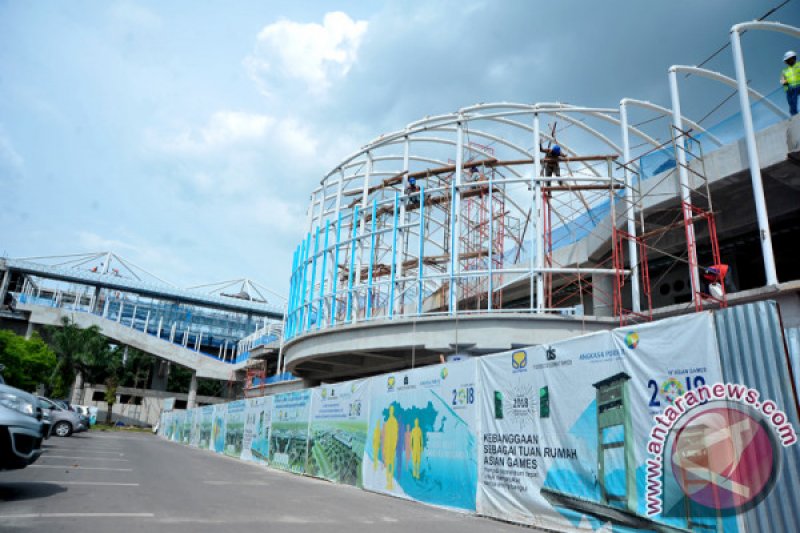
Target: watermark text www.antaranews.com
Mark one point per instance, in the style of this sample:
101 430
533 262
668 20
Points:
725 447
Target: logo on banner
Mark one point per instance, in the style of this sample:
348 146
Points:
444 372
390 383
671 389
519 361
632 340
324 393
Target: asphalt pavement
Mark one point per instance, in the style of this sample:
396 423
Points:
131 482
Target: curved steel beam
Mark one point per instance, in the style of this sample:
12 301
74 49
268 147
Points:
666 112
730 82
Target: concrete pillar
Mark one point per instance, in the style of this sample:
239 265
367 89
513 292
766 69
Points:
602 295
160 376
192 400
77 389
29 331
95 301
4 287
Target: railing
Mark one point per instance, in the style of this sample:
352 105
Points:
116 311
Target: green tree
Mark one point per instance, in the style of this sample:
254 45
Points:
181 377
137 369
81 353
28 362
111 396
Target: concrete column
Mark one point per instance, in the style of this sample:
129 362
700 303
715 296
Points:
192 400
29 331
77 389
602 295
161 375
4 287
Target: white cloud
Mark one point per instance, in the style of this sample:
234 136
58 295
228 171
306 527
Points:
223 129
315 54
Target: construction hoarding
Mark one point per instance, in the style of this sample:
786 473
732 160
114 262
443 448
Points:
288 439
668 426
338 432
565 427
422 435
255 441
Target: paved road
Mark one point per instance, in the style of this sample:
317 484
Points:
134 482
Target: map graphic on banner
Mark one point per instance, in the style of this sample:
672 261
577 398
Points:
288 441
565 426
338 432
234 429
422 435
255 443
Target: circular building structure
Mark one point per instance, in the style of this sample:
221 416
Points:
499 225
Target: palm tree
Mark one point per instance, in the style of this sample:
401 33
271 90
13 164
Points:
80 353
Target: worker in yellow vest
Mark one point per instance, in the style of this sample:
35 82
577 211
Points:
790 79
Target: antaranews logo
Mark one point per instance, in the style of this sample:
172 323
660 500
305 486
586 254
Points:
723 445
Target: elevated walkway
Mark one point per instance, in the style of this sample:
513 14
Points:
206 366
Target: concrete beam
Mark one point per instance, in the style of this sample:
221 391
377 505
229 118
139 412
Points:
478 334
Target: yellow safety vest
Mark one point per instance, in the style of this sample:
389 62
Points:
792 76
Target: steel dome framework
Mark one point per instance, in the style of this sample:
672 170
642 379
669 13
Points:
484 231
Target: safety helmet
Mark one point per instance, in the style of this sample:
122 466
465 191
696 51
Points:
412 181
788 55
556 150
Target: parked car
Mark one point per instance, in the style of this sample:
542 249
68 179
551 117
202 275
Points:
64 422
21 429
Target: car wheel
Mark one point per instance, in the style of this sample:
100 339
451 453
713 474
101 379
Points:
62 429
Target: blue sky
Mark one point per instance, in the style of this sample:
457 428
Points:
187 136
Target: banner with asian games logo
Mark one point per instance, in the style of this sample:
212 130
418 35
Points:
338 432
564 427
288 440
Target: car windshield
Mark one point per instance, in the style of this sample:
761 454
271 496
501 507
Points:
47 404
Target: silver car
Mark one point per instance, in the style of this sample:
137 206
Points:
21 429
63 422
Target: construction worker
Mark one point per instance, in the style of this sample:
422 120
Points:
714 280
412 191
790 79
552 155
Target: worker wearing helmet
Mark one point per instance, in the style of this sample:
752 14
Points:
412 190
552 155
790 79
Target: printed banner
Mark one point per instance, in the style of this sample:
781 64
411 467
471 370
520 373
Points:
288 440
565 426
218 429
338 432
255 443
206 427
234 429
422 429
186 427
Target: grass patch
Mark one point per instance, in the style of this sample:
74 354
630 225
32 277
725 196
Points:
108 427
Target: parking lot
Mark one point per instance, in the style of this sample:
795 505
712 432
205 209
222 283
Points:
125 482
